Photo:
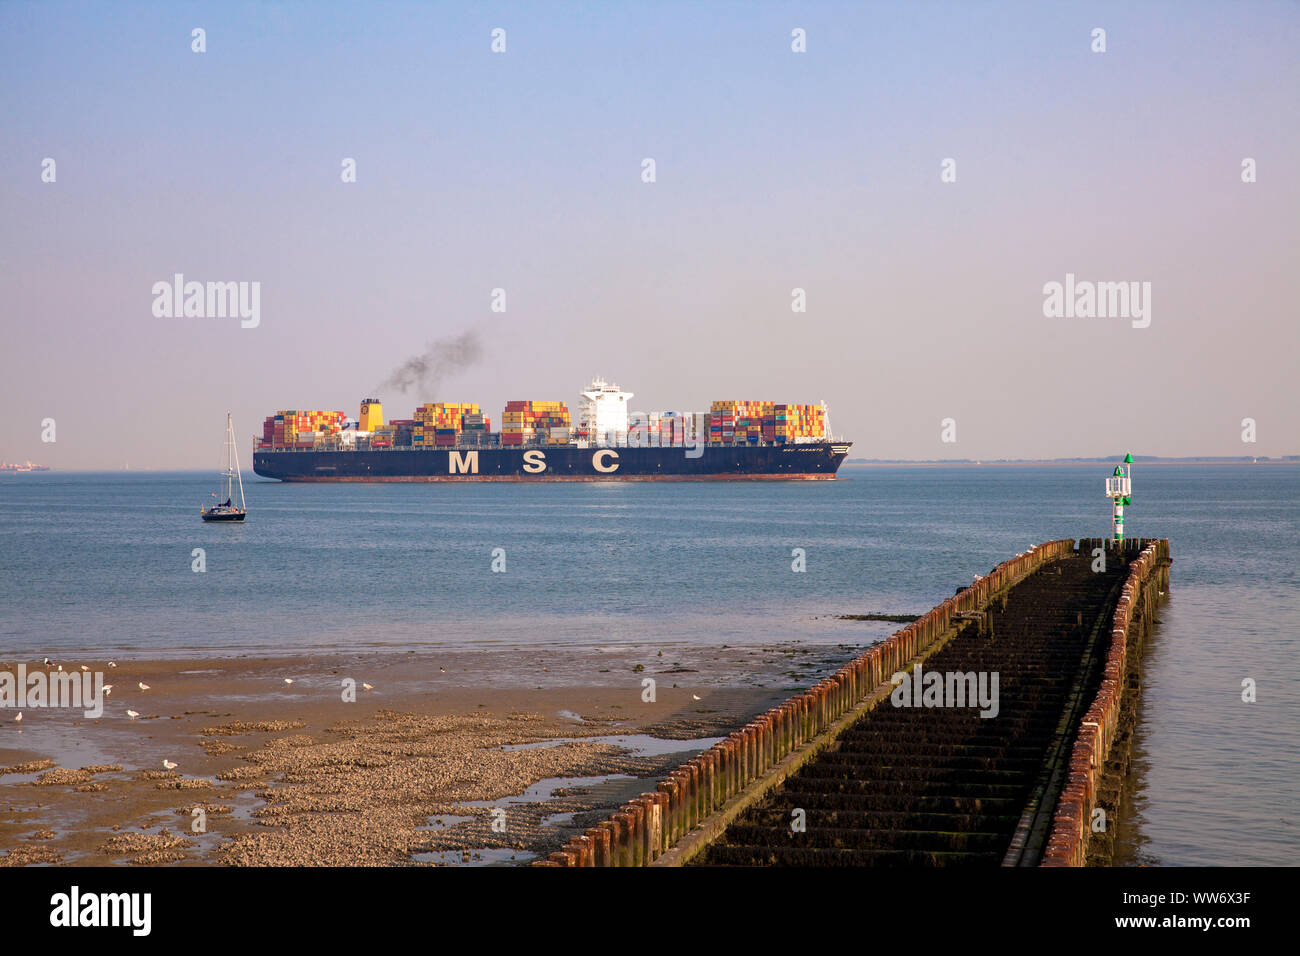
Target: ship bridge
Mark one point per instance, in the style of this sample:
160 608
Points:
602 417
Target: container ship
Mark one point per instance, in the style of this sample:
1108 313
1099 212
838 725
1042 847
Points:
17 469
538 441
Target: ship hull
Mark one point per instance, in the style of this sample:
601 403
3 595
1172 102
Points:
813 461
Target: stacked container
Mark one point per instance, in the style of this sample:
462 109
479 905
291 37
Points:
292 428
741 422
439 424
699 430
474 430
403 430
529 423
800 421
749 423
668 429
672 429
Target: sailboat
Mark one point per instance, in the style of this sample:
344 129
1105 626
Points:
226 510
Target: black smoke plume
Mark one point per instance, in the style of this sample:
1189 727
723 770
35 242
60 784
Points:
427 370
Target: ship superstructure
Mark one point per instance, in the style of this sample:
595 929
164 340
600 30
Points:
603 414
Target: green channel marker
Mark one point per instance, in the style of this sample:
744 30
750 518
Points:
1119 489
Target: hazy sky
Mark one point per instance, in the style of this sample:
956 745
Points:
775 170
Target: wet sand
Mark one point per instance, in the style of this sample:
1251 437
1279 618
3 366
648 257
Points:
452 757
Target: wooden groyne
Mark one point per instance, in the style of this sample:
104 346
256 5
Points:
695 805
1076 824
948 784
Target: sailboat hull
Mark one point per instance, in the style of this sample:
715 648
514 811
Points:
226 510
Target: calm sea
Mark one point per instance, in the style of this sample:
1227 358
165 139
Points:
103 561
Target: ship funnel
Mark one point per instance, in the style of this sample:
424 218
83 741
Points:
372 415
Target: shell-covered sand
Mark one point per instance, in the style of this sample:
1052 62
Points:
413 772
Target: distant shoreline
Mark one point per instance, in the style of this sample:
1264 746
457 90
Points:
1057 463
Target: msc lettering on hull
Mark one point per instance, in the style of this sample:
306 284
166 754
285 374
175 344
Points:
461 465
534 462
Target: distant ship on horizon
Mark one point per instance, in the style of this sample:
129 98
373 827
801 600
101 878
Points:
16 469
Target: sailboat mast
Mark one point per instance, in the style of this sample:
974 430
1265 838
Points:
226 473
230 437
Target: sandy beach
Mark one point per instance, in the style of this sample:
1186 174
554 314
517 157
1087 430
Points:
450 758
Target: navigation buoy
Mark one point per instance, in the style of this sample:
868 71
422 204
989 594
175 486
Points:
1119 489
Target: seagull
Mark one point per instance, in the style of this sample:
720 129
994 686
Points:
84 667
443 669
112 663
19 718
47 662
132 714
60 667
143 685
108 688
367 686
697 696
288 680
169 764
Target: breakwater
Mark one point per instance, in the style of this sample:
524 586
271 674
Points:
1097 765
693 806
